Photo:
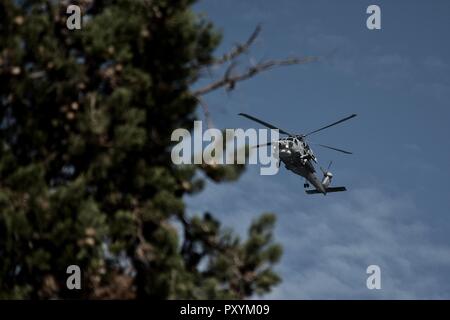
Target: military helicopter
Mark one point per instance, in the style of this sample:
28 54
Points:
298 157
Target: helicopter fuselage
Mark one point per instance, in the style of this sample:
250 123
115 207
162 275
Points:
298 157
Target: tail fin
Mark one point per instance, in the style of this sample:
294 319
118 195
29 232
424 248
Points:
334 189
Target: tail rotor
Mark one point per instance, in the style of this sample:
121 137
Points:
327 175
326 172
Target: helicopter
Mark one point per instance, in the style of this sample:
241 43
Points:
298 157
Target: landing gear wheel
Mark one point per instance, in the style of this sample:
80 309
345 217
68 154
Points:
306 185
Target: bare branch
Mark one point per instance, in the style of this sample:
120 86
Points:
205 112
239 48
229 81
229 78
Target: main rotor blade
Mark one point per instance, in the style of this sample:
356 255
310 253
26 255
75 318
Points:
262 145
330 125
268 125
332 148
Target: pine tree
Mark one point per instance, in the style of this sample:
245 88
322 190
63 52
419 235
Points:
86 176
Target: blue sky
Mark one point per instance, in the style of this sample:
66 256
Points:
396 213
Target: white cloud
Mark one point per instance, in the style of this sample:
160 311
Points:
433 90
434 62
329 241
